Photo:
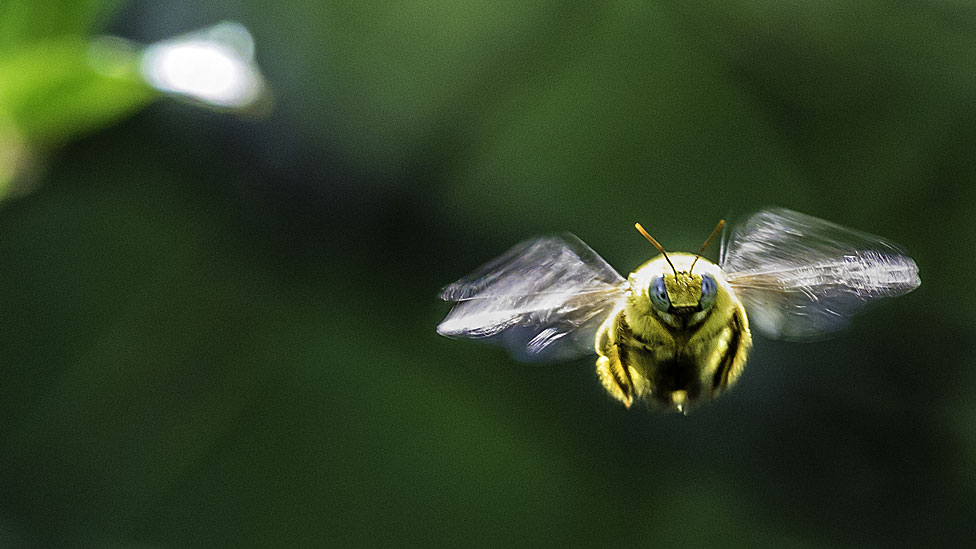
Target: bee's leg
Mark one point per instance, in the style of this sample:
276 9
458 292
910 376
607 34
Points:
615 376
603 338
745 344
738 341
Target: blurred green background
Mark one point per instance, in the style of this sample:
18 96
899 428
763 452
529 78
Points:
218 329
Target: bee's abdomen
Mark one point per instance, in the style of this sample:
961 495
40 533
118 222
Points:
672 369
657 368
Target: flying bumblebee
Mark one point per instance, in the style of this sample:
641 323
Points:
675 333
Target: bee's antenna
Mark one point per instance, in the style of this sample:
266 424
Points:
721 223
656 245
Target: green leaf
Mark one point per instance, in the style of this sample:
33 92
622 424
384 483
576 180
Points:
56 89
22 22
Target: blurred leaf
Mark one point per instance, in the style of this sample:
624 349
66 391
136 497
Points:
52 91
49 88
22 22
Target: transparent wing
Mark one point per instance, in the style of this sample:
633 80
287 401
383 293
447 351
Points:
801 277
543 300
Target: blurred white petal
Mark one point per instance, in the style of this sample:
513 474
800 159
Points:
215 66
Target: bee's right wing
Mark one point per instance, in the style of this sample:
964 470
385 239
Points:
801 277
543 300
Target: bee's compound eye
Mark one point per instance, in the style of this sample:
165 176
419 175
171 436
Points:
709 291
658 293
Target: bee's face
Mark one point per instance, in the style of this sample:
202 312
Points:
682 297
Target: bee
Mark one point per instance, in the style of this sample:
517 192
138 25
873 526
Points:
675 333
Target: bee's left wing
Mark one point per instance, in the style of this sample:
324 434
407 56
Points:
802 277
543 300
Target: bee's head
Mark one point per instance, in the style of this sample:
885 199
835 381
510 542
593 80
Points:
682 292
